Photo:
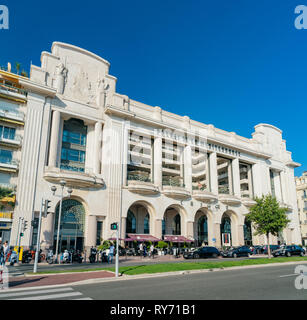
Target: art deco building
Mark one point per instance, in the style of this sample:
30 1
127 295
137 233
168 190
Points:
13 101
301 189
160 174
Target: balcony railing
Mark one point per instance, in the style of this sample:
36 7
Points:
17 138
138 177
9 88
7 161
224 190
173 182
8 186
6 215
201 188
10 114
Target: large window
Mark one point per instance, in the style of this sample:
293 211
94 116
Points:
7 133
131 223
6 156
224 175
73 145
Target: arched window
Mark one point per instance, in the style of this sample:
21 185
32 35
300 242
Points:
146 224
177 225
131 223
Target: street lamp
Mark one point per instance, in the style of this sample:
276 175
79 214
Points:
69 190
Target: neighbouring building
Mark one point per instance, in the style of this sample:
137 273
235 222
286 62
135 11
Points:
13 101
301 190
161 175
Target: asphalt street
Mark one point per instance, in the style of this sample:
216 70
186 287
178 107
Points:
261 283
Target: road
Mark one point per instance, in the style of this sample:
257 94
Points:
259 283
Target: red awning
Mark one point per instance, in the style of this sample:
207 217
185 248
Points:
142 237
126 239
177 239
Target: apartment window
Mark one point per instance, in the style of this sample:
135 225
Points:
200 176
6 156
73 145
7 133
246 185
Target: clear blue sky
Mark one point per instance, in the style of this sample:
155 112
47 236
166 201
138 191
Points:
232 63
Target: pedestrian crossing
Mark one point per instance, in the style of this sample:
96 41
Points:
60 293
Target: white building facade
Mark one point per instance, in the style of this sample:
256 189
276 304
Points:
159 174
301 190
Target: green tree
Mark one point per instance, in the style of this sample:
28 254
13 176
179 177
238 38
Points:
268 217
17 67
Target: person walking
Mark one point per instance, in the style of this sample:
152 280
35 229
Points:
111 253
141 249
1 254
152 251
6 249
145 251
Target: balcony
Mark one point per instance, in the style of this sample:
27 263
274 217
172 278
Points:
139 182
12 92
248 202
8 165
230 199
173 187
6 216
204 195
75 179
287 206
12 116
11 141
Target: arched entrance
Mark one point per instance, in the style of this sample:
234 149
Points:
172 223
248 237
71 227
138 220
226 239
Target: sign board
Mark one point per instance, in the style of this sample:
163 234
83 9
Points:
20 253
114 226
226 239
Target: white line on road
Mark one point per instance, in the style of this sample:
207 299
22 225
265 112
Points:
26 293
288 275
52 296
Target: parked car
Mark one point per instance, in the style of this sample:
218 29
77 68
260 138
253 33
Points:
289 251
256 249
243 251
272 247
203 252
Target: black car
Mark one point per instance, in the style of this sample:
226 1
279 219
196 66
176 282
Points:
289 251
256 249
203 252
237 252
272 247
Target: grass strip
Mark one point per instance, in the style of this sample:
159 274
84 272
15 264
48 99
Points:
184 266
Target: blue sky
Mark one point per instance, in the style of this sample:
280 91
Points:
232 63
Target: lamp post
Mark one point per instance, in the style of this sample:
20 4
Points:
69 190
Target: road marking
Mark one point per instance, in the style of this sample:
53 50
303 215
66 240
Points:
288 275
26 293
52 296
84 299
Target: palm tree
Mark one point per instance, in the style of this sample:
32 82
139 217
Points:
17 66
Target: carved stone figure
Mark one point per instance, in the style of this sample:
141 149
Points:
101 94
61 74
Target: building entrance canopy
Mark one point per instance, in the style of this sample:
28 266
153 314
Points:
142 237
177 239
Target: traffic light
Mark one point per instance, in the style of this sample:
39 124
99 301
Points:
25 225
114 226
34 223
46 207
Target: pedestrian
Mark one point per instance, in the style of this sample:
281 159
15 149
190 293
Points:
141 249
1 254
145 251
152 250
111 253
6 249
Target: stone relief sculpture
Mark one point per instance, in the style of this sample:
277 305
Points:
61 75
101 93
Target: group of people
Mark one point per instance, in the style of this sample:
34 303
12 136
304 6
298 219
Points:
143 250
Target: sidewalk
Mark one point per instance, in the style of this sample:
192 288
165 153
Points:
55 279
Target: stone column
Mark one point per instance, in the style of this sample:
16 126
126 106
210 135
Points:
213 173
240 235
158 228
125 152
47 231
91 231
236 177
190 229
256 180
54 141
123 229
188 168
284 189
97 148
158 162
217 234
277 186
